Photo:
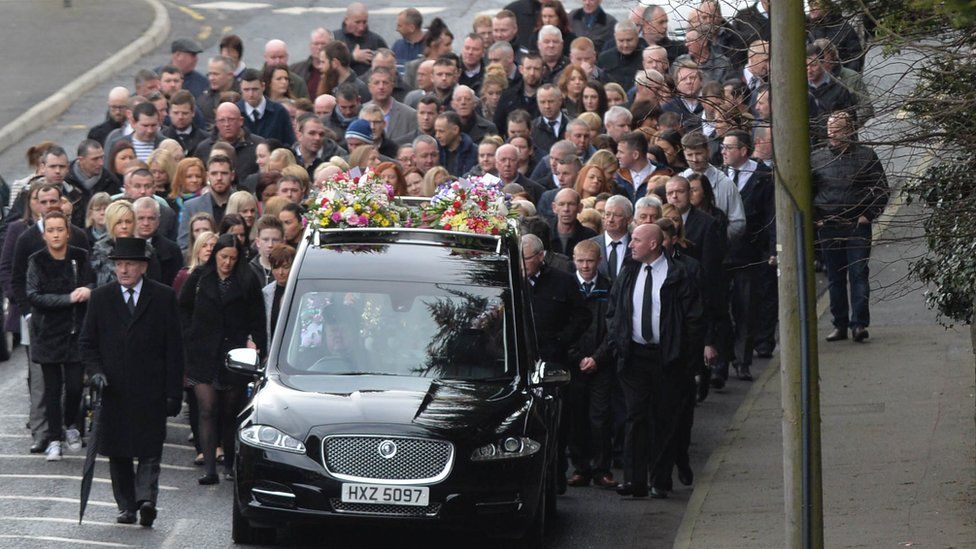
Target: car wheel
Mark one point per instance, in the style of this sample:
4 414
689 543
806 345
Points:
244 534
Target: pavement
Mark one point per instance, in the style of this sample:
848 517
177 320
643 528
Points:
899 464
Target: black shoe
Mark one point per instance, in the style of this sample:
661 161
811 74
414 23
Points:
657 493
744 373
207 480
860 334
228 474
717 380
38 446
685 475
147 514
126 517
838 334
631 490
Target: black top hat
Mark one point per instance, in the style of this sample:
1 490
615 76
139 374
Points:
129 248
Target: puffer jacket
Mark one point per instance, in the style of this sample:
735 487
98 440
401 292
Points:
55 321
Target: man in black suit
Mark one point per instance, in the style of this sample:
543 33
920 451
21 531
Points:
550 126
655 314
263 117
615 240
133 351
749 254
560 317
168 254
706 244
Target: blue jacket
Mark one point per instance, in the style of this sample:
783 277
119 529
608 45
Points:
275 123
464 158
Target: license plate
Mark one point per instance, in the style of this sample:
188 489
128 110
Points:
388 495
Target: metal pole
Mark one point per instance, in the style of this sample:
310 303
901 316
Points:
802 490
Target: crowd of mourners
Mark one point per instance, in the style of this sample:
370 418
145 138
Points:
620 146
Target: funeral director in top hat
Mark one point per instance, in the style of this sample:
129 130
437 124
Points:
131 346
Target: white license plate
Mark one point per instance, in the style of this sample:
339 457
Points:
387 495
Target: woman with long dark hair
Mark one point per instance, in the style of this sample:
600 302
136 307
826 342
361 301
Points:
222 308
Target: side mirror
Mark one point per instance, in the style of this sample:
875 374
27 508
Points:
546 375
244 360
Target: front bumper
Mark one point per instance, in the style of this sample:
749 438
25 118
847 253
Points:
280 489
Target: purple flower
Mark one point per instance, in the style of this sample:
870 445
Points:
336 217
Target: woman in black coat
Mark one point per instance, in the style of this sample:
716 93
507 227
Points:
59 282
222 308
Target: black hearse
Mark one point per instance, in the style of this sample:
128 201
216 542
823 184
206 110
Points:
402 384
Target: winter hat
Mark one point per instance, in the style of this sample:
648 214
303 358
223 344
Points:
359 129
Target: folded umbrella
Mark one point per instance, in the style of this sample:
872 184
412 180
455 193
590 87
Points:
88 473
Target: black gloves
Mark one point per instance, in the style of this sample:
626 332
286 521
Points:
173 407
98 381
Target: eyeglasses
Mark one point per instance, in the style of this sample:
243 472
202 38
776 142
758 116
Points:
730 147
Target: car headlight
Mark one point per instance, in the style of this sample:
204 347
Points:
506 448
266 436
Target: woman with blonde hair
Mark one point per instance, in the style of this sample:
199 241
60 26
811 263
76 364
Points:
174 148
244 204
280 158
433 178
615 94
365 156
591 181
162 166
491 90
120 222
592 219
95 216
606 161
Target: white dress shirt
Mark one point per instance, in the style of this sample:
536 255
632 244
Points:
260 108
621 250
135 294
745 172
659 270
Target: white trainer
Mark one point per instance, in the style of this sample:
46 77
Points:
73 439
53 452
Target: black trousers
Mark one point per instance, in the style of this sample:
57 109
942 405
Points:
646 429
744 301
588 415
768 313
58 377
131 488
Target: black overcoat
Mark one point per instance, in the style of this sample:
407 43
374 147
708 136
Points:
213 325
55 322
141 356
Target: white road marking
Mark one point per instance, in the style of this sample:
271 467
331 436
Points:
68 477
65 540
73 501
4 435
232 6
63 521
179 446
99 460
177 425
20 416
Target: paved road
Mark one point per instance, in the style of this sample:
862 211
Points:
38 500
37 35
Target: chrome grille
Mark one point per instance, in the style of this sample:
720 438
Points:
384 509
416 460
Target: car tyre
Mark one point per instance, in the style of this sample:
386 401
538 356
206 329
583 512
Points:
244 534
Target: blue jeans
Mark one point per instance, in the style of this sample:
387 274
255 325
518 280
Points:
847 251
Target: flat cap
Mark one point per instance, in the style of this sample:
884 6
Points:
188 45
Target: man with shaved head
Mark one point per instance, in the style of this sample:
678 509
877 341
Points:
276 53
324 105
567 231
654 317
118 101
229 123
310 68
362 42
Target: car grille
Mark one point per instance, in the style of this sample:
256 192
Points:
383 509
417 460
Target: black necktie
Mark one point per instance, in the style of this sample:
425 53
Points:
588 287
735 176
647 306
552 126
612 267
130 302
255 116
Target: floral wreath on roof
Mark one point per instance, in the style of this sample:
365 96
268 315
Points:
352 200
357 199
475 205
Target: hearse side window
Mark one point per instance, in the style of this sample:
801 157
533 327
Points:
444 331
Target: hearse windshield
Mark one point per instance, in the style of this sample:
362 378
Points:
400 328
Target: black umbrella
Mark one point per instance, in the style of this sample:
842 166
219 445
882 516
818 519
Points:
88 473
